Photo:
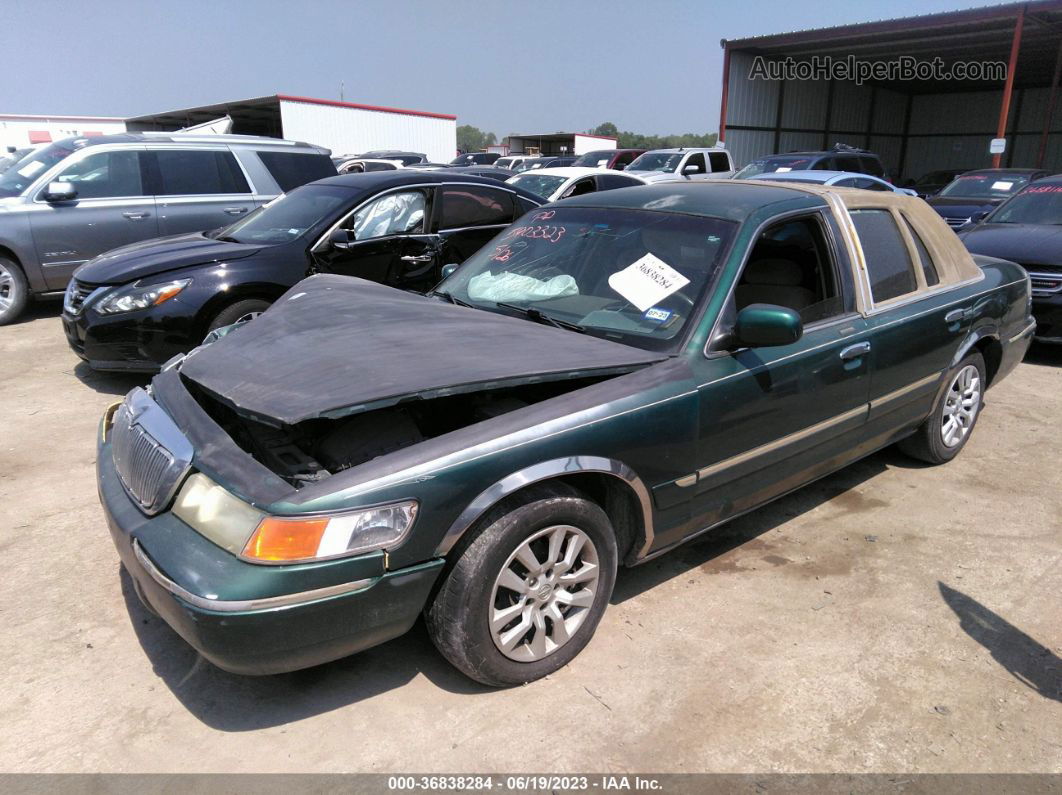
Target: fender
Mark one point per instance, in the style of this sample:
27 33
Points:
544 471
986 330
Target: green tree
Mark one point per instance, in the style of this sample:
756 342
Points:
473 139
633 140
608 128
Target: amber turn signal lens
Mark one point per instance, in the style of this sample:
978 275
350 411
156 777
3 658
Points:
286 539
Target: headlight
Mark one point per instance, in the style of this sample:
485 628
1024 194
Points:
284 539
134 297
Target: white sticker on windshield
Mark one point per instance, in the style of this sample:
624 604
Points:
30 169
782 169
647 281
1002 185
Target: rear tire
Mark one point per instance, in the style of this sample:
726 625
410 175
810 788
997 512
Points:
249 308
527 593
14 290
949 426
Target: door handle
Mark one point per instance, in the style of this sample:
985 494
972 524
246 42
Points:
955 316
235 210
855 351
136 216
418 258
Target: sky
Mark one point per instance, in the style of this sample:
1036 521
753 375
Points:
649 67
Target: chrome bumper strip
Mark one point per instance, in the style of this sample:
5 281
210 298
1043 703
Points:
1025 332
245 605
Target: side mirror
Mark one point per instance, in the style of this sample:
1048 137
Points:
691 170
340 238
60 192
978 216
448 270
767 325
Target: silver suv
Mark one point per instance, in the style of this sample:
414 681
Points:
70 201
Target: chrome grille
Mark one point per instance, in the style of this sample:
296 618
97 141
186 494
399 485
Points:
151 455
955 223
76 294
1045 283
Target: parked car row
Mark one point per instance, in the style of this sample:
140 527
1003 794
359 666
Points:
64 204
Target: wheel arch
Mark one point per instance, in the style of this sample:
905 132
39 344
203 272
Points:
611 484
984 340
221 300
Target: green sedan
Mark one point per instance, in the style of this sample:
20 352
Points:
611 376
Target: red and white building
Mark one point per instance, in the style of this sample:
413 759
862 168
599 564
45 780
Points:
20 130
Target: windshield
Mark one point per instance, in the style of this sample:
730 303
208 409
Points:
527 164
769 165
599 159
633 276
22 174
288 216
985 186
1037 204
656 161
542 185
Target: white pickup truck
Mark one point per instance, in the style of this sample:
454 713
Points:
661 165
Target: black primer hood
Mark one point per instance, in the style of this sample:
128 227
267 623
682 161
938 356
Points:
335 345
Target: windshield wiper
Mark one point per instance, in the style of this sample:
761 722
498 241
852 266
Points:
452 299
541 317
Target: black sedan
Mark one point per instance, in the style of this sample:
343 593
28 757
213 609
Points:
1027 229
135 307
971 196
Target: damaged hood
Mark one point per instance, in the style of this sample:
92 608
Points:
336 345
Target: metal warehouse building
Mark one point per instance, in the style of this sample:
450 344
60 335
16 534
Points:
343 127
916 126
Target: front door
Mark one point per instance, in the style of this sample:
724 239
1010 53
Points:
773 418
111 209
387 242
469 216
198 189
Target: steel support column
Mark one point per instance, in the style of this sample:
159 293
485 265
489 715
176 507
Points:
1008 88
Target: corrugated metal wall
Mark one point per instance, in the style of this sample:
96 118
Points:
945 130
350 130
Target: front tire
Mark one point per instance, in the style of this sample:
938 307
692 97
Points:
525 596
949 426
14 291
248 309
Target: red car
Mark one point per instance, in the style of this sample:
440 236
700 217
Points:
618 159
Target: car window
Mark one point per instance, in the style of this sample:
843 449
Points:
612 181
826 164
625 159
791 265
847 163
872 166
394 214
929 270
290 215
719 161
888 263
581 187
862 182
190 172
103 175
697 161
292 169
472 205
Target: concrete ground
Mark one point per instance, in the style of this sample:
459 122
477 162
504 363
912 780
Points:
889 618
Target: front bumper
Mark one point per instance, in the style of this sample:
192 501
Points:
1048 314
248 618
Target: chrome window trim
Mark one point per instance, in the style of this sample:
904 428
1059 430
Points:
245 605
544 471
467 228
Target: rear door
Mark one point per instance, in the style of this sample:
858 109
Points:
112 208
468 216
197 189
914 326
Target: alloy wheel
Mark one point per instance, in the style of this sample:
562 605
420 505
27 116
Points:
543 593
248 316
961 404
7 288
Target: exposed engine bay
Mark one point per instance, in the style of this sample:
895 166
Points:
315 449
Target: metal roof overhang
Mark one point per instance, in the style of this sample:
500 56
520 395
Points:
976 34
256 116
